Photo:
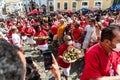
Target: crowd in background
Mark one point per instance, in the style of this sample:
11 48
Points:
83 29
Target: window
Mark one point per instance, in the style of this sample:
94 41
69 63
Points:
98 4
58 5
51 7
65 5
85 4
51 3
74 6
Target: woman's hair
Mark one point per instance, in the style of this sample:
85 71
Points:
99 25
11 65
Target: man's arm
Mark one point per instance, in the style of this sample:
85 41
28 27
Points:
55 69
72 35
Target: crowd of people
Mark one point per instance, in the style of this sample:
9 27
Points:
96 33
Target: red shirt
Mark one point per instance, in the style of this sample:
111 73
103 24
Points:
9 35
108 19
29 31
105 24
41 33
33 22
97 63
9 25
21 31
53 30
45 27
77 33
83 24
61 63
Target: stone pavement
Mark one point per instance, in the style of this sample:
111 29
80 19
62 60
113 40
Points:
75 71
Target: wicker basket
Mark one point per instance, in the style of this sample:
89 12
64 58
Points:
43 37
71 54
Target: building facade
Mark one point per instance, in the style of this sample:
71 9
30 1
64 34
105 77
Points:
11 6
50 4
14 7
2 9
78 4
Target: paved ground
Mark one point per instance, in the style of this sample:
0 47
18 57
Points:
76 68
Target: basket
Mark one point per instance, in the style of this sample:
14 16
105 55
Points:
43 37
71 54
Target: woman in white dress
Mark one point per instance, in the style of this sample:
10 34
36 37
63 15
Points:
95 38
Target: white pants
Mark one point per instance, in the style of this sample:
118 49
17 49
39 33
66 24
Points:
24 37
66 71
43 47
31 41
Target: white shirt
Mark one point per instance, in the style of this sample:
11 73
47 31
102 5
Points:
89 30
16 40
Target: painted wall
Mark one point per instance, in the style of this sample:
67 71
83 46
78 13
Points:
91 3
8 1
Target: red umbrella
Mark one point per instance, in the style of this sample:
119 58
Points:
33 12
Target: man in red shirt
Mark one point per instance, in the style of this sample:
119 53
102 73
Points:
83 23
42 43
77 33
9 24
29 32
104 23
65 66
102 61
53 30
21 32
